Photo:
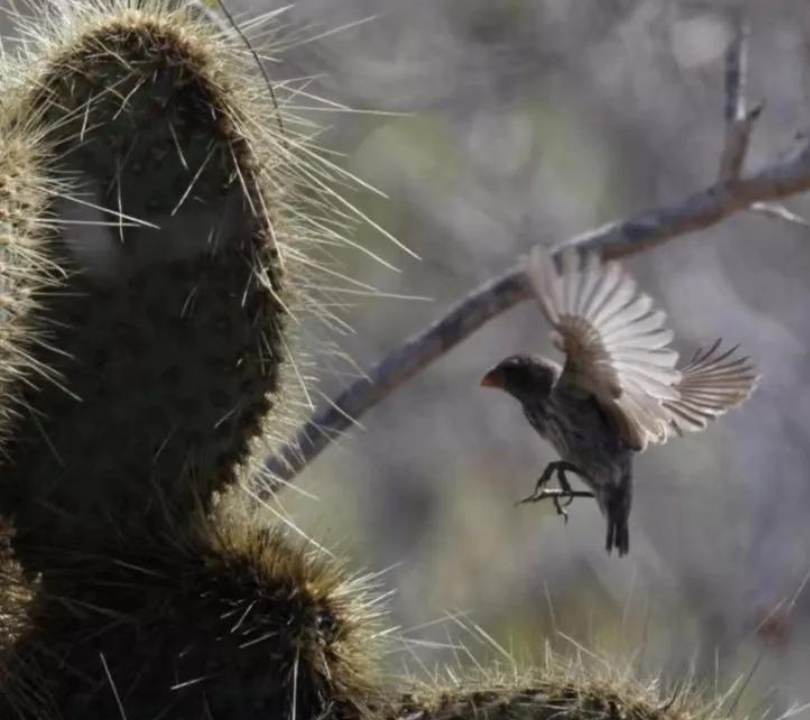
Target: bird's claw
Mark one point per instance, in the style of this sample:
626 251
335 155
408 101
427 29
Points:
561 508
561 497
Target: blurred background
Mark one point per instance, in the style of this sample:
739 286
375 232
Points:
506 122
490 125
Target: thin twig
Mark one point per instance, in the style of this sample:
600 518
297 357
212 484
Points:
739 120
737 67
641 231
777 211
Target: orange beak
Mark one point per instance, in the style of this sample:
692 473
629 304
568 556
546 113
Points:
492 379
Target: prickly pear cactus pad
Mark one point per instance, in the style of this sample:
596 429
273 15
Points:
147 270
558 689
222 622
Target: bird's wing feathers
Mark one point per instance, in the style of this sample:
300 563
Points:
616 348
713 382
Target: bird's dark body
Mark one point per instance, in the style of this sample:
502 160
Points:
574 424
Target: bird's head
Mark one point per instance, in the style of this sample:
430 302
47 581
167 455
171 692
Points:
522 376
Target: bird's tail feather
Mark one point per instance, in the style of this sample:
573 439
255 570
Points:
618 534
617 510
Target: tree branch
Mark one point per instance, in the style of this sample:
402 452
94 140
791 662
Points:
640 231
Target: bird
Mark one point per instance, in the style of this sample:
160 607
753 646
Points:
620 388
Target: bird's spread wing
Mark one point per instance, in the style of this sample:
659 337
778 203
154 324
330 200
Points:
616 348
713 382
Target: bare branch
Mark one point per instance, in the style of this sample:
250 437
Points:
739 120
641 231
484 303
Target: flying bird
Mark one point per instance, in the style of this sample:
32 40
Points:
619 389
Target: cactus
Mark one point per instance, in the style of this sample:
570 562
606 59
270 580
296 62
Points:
152 215
230 620
153 207
558 689
146 241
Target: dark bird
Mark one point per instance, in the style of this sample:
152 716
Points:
619 389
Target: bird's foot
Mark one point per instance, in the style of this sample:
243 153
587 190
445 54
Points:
561 497
537 493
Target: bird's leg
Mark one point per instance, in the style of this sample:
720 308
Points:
539 491
562 468
565 491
